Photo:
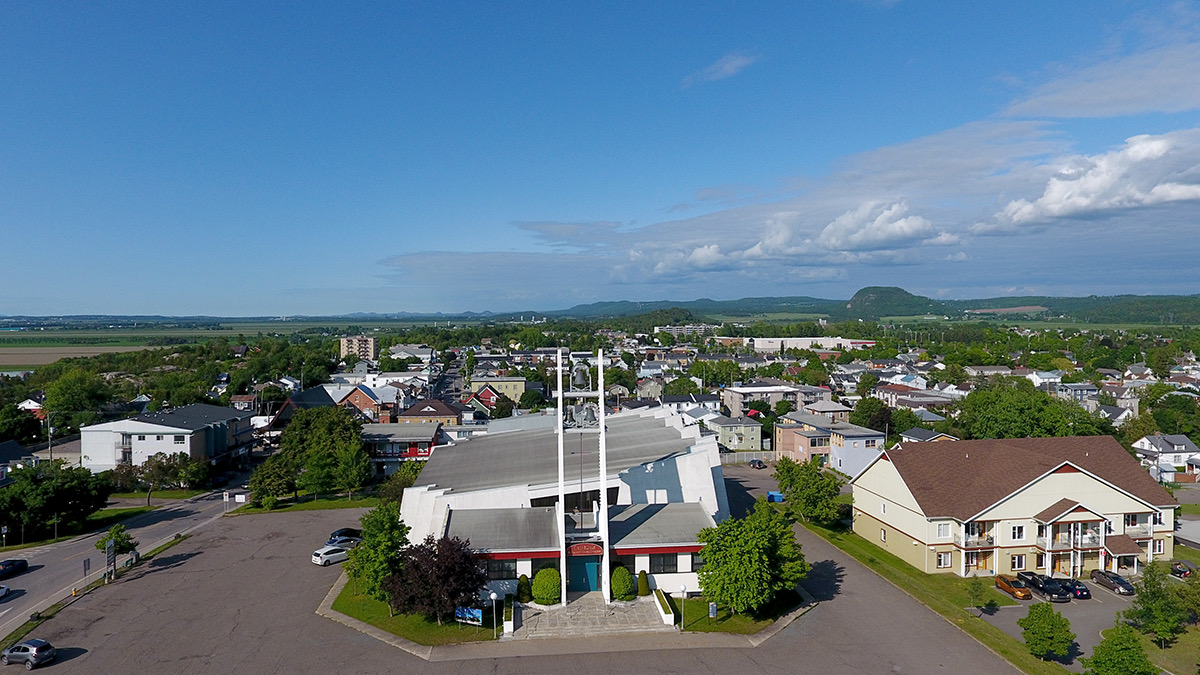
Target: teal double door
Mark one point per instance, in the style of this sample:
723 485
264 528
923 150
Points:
583 573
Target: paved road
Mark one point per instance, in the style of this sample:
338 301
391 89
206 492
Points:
240 597
55 568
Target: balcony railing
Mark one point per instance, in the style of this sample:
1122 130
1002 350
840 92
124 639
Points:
1088 541
1054 544
1137 530
975 541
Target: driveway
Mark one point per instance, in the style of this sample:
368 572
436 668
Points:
240 596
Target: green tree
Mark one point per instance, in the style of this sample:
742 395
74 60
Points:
18 425
77 394
123 542
1119 653
503 407
159 471
273 478
1136 428
352 469
1046 632
314 443
809 492
1157 608
524 590
872 413
866 382
643 584
747 561
379 554
783 407
681 386
530 398
404 477
1012 408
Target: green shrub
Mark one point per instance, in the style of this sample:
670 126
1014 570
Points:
269 502
524 594
547 587
623 587
643 584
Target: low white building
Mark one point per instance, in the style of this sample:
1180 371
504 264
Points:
202 431
500 492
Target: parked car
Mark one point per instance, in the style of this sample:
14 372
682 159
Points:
10 568
1076 588
1044 586
345 532
327 555
32 653
1183 568
1013 586
1113 582
3 591
757 464
344 542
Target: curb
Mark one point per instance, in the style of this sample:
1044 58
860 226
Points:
326 610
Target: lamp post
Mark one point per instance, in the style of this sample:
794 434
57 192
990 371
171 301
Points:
682 599
493 596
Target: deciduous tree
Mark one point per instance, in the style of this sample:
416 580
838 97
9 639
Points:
1119 653
123 542
1157 608
379 554
747 561
809 492
1046 632
436 576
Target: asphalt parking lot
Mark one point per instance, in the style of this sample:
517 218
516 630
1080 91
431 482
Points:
1087 617
240 596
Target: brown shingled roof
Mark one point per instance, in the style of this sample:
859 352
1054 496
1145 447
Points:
1121 544
1055 510
961 479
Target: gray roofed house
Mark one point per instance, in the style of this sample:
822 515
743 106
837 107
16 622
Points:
1173 449
201 431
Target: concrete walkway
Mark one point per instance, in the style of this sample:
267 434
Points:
586 614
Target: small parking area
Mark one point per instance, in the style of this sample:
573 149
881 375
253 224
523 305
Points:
1087 617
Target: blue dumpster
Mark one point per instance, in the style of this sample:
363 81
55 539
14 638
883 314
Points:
774 496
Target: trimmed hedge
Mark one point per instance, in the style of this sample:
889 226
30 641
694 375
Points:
643 584
547 587
622 584
524 592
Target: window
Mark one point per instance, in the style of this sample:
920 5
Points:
882 535
1160 547
1040 561
943 560
871 443
883 507
1157 518
552 563
141 438
1041 530
158 438
697 562
501 570
1018 562
179 440
1108 528
1131 520
943 530
1018 532
971 558
664 563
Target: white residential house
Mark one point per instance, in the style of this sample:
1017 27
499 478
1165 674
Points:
201 431
1172 449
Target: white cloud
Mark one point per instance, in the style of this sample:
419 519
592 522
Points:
1164 79
727 66
1147 170
873 226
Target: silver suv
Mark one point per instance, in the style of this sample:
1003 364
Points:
30 652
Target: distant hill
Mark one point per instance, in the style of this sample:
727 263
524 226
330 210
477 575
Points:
873 302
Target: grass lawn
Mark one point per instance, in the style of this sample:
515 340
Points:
943 593
1190 509
100 520
318 504
1180 657
159 494
412 627
695 615
1186 553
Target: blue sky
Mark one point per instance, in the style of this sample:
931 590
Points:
289 158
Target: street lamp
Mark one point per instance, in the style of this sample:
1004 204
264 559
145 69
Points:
493 596
682 599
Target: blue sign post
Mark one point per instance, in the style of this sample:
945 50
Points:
468 615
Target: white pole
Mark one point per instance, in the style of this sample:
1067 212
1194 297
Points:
562 506
605 576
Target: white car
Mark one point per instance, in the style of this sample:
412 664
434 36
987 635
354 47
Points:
3 591
327 555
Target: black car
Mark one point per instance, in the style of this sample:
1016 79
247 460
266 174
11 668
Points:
1183 568
346 532
1076 588
10 568
757 464
1044 586
1113 582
